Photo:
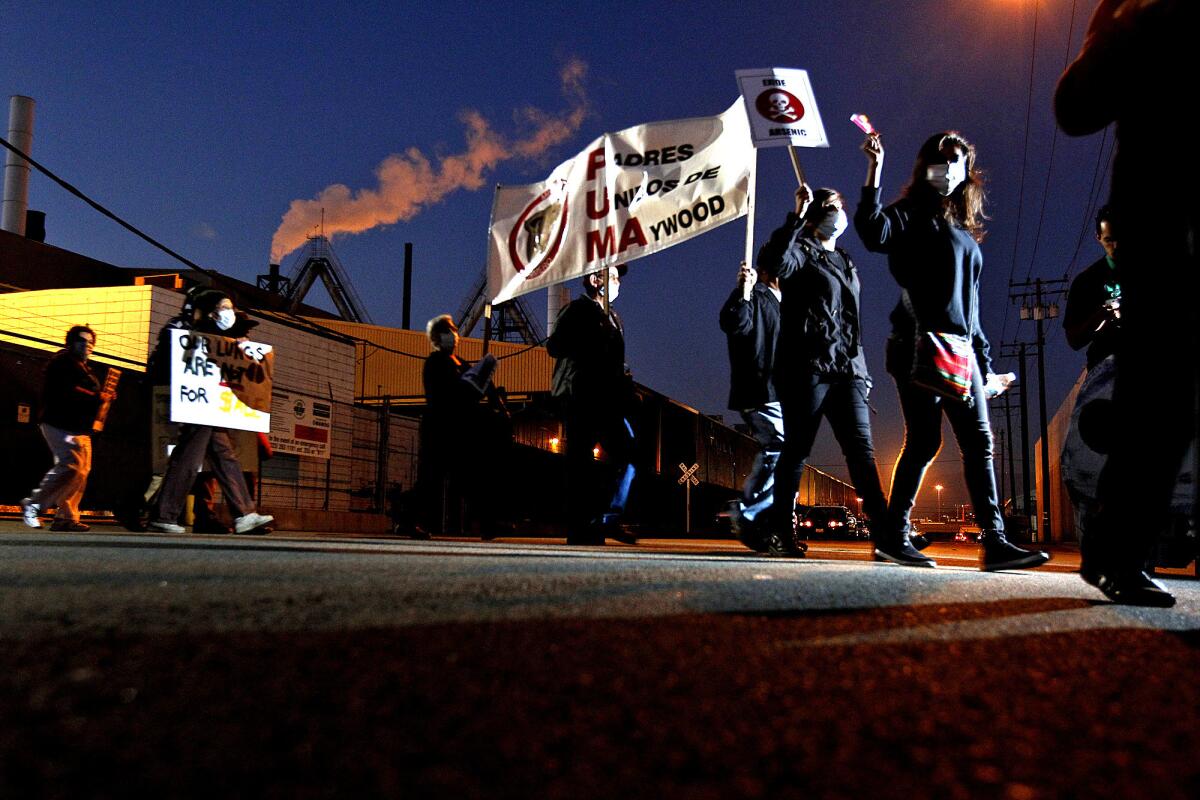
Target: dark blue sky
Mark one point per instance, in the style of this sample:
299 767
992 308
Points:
201 126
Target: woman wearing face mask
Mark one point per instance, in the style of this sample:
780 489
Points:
458 433
214 314
820 368
931 237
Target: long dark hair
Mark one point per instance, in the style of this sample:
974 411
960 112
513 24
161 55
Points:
964 206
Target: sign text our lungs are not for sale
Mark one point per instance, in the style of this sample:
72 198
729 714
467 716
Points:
221 382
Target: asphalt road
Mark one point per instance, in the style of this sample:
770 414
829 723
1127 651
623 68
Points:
300 666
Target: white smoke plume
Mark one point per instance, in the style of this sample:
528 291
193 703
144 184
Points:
409 181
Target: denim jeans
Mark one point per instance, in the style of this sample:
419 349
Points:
594 500
766 425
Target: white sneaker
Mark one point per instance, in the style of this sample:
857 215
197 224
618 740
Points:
167 527
251 521
30 511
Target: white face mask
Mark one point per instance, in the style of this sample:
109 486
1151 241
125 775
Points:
225 318
833 225
614 289
945 178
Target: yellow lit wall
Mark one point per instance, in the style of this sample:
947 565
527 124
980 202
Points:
385 372
120 316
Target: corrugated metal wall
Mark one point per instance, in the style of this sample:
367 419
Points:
392 368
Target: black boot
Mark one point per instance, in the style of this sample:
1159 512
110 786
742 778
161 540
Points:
749 532
1130 587
1000 553
779 532
899 550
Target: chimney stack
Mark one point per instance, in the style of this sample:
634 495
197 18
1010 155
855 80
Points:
35 225
16 169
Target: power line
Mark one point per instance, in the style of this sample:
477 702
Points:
1093 197
1012 271
187 261
1037 238
136 231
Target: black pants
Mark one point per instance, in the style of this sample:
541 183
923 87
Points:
463 465
923 439
1155 394
843 401
590 497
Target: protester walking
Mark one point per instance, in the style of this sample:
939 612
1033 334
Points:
71 397
214 314
931 236
1137 68
750 320
593 383
821 367
462 436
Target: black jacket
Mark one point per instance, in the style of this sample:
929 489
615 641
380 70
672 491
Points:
451 403
820 330
71 394
937 263
752 334
589 347
1089 291
158 370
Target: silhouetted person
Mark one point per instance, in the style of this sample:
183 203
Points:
750 320
593 383
71 396
1093 315
1138 68
821 367
464 444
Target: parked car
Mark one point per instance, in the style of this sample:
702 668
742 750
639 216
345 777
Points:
832 522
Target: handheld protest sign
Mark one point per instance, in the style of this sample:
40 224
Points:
107 395
220 382
781 108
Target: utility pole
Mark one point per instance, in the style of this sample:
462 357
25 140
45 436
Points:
1044 306
1012 472
1017 350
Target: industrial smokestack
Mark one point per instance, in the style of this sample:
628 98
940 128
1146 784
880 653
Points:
557 296
16 169
35 225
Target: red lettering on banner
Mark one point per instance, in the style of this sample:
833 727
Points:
593 212
632 234
601 244
598 247
595 160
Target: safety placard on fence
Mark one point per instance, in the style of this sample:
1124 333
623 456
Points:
301 425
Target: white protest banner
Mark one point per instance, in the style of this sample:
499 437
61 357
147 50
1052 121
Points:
781 108
626 195
301 425
216 381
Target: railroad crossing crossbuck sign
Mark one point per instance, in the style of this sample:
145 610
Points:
687 480
689 475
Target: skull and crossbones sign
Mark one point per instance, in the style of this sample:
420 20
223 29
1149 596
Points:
781 109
